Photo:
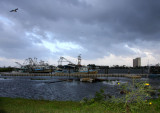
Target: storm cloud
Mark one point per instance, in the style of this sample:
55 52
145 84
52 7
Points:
97 29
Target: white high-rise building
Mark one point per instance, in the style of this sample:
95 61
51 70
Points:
137 62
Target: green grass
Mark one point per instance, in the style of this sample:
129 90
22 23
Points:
10 105
18 105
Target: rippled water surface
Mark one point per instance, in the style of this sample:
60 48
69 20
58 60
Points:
52 88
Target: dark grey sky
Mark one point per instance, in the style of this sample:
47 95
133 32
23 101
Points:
105 32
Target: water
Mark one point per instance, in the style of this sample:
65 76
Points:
46 87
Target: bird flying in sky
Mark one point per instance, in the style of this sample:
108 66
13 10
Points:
14 10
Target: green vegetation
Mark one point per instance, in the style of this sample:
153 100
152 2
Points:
135 100
6 69
9 105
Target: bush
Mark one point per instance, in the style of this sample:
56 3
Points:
135 98
100 96
136 95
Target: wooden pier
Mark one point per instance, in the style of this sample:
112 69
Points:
76 75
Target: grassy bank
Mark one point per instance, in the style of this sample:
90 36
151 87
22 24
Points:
10 105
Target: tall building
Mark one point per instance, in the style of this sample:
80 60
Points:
137 62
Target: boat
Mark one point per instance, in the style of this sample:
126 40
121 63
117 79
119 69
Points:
41 71
86 70
80 70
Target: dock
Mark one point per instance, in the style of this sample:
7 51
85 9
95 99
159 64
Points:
76 75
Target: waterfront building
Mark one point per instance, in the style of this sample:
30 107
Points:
137 62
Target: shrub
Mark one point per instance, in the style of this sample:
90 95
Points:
136 95
100 96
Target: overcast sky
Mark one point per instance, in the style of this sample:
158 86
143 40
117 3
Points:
104 32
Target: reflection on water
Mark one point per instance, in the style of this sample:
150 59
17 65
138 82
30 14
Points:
110 82
51 88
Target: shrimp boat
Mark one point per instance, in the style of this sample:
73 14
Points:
80 70
86 70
